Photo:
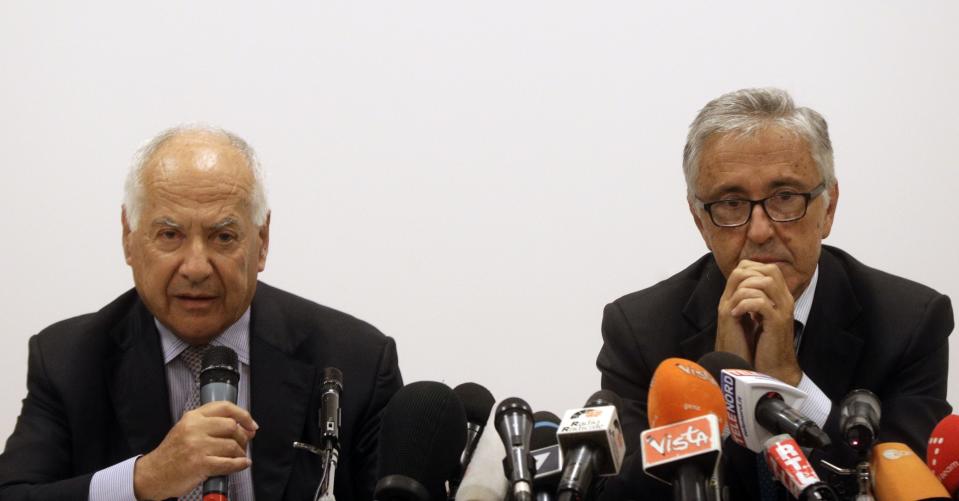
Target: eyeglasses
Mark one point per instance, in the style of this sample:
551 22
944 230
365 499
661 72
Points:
782 207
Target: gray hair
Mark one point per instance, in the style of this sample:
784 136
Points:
747 111
133 188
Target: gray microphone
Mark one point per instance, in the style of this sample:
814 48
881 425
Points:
219 378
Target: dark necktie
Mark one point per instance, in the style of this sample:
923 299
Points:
193 358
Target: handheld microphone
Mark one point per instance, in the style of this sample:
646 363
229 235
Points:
591 439
219 379
687 415
791 468
900 475
547 455
514 422
478 402
421 439
859 416
330 419
484 479
942 454
760 406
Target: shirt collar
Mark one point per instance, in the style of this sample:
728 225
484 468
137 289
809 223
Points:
804 303
236 337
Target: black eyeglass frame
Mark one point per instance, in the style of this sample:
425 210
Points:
809 196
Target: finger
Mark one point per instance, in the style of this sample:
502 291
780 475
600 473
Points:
225 427
224 466
754 306
781 291
230 410
222 447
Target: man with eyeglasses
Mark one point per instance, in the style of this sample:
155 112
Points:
762 192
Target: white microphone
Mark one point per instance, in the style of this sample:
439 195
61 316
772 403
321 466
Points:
484 479
760 406
591 439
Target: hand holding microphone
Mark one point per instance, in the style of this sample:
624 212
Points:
209 441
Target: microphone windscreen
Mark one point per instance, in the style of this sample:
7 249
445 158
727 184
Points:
715 361
604 397
219 364
332 375
484 479
477 401
422 435
681 390
899 475
942 454
545 424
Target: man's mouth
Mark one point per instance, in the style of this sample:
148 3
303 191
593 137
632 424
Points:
195 300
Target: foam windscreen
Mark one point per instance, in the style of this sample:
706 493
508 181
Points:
682 389
942 453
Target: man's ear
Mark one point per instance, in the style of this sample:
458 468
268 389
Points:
698 219
830 210
127 236
264 242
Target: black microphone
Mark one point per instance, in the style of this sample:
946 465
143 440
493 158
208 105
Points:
592 443
478 402
219 378
330 419
330 412
859 416
514 423
421 439
546 454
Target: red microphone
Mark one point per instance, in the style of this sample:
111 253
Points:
791 468
942 454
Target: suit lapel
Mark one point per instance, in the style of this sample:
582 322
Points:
830 350
138 383
279 396
700 312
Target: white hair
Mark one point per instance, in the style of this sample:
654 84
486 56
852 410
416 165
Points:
747 111
133 192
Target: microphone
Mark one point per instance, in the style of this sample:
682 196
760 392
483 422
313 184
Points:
421 439
760 406
942 455
330 419
791 468
514 423
219 379
687 414
484 479
478 402
859 416
591 439
900 475
547 455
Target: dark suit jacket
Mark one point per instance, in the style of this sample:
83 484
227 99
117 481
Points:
867 329
97 395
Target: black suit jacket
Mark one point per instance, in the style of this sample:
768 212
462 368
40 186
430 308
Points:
867 329
97 395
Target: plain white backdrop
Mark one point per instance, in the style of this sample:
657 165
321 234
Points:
476 179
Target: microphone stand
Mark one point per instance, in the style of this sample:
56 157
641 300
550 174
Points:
863 477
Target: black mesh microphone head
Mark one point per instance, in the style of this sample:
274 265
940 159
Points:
421 438
219 365
333 376
477 401
715 361
545 424
604 397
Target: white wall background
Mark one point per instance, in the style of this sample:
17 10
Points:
477 179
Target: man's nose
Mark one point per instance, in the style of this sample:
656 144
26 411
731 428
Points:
196 266
760 227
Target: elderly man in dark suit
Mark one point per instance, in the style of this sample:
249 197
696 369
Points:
111 410
762 191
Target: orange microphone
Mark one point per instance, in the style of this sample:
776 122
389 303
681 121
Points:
682 389
687 415
899 475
